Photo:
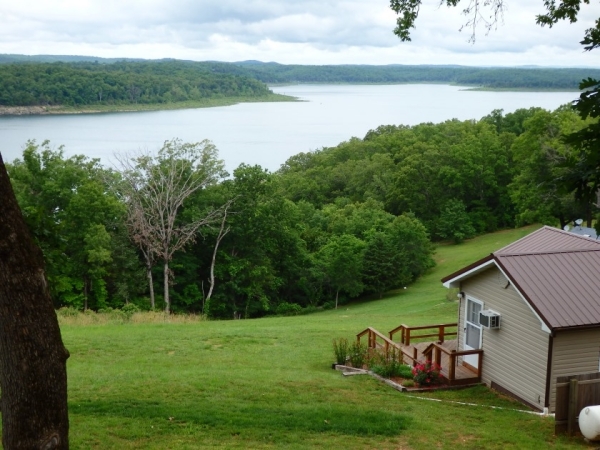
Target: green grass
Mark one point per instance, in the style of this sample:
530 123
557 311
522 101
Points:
268 383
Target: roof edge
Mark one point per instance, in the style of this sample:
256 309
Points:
456 276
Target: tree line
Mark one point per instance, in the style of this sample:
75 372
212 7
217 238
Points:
329 226
485 77
85 83
77 81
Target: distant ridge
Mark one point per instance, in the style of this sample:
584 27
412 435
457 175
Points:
528 77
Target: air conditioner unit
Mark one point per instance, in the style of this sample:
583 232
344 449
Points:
489 319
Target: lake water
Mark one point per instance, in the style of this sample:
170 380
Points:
268 133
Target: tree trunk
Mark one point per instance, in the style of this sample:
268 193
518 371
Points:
85 294
337 293
222 233
33 372
150 286
166 280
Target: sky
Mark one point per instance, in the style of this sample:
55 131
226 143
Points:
289 32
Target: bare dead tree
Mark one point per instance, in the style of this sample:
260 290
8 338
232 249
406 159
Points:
155 189
33 372
222 232
139 232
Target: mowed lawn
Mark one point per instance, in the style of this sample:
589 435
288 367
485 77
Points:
268 383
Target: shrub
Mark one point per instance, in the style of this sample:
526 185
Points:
288 309
427 374
130 309
340 348
405 372
358 354
388 364
67 311
408 383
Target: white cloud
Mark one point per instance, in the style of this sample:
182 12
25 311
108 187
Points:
301 32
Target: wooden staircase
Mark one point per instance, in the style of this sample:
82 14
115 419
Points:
413 349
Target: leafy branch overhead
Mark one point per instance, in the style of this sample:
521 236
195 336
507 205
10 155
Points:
487 13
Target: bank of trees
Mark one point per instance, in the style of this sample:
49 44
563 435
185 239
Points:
81 81
84 84
329 226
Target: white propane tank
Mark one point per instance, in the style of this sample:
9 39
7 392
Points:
589 422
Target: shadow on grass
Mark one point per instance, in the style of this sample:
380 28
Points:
284 418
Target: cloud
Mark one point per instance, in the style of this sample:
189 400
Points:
301 31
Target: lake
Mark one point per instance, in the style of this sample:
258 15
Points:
268 133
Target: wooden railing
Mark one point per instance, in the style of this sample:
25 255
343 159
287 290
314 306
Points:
434 352
373 338
406 332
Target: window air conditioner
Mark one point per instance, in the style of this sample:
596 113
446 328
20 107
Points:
489 319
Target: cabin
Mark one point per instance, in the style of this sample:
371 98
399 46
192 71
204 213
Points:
533 310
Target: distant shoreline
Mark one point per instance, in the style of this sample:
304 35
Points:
464 87
99 109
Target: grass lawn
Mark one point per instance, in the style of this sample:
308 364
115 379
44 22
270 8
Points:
268 383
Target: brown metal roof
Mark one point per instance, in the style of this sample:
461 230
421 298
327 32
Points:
549 239
563 287
557 272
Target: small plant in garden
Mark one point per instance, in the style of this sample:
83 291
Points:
427 374
341 350
387 365
405 371
408 383
358 354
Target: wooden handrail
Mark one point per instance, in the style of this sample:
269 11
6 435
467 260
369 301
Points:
405 332
373 334
436 357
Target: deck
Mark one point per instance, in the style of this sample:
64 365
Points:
462 373
414 348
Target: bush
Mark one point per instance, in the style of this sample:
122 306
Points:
358 354
67 311
340 349
130 309
427 374
405 371
288 309
388 364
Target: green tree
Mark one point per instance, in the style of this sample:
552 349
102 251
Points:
341 261
72 215
454 222
264 259
540 155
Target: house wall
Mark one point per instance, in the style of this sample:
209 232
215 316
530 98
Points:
573 352
515 356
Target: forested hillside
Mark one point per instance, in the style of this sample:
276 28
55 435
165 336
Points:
119 83
485 77
83 80
329 226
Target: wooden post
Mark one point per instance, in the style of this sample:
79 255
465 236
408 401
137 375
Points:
414 356
407 336
438 356
452 366
441 333
479 364
571 427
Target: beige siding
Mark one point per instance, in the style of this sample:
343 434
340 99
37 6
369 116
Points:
573 352
516 355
